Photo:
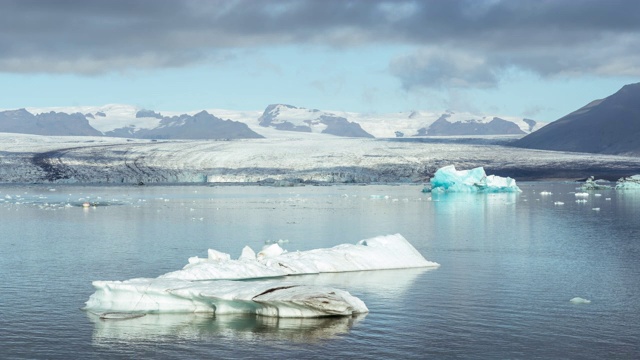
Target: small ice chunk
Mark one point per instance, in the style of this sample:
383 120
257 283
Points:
579 300
558 203
546 193
216 255
247 254
270 251
582 194
591 184
596 209
581 201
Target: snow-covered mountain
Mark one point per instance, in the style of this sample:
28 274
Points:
447 123
46 123
130 122
402 124
291 118
276 120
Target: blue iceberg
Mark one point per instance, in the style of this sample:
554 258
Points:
629 183
448 179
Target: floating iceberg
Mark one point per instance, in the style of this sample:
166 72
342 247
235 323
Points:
267 298
591 184
579 300
628 183
378 253
448 179
206 285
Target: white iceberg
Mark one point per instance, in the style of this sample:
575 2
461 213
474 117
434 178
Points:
628 183
448 179
267 298
206 285
378 253
592 184
579 300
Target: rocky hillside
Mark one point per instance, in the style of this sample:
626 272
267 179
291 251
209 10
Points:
606 126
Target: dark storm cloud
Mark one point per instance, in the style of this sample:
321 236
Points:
463 43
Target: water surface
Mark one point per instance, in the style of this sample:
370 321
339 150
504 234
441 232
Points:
510 263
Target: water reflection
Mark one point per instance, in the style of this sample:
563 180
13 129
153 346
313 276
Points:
454 202
160 327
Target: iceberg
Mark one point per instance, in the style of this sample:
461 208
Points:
221 297
579 300
378 253
448 179
210 285
592 184
628 183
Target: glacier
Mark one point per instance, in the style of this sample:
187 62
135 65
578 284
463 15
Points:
210 284
290 157
448 179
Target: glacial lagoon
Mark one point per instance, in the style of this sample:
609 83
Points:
511 264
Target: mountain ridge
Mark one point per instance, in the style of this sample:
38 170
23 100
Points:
276 120
605 126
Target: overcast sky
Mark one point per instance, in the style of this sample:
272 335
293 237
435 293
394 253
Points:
531 58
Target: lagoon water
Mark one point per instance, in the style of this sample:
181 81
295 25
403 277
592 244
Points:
510 264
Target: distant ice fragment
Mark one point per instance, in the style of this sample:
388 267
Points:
546 193
591 184
628 183
582 194
579 300
558 203
448 179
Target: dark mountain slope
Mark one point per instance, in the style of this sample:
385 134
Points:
607 126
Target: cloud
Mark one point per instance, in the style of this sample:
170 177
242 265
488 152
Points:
444 68
459 43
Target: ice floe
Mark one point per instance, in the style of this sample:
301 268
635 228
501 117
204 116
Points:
448 179
206 285
267 298
592 184
629 183
579 300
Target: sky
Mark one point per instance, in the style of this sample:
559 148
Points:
538 59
